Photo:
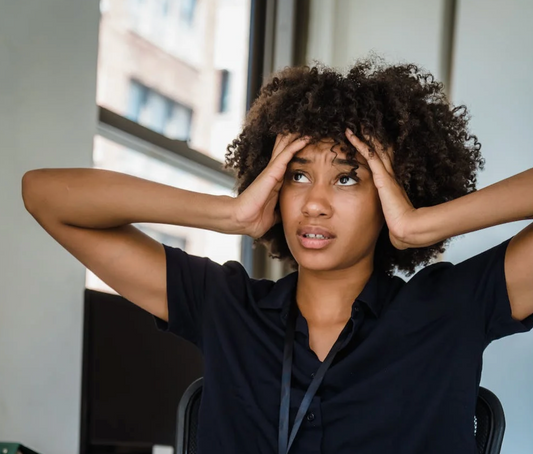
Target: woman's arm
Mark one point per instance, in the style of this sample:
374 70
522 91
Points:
99 199
89 212
505 201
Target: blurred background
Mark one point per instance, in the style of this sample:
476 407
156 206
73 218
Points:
157 89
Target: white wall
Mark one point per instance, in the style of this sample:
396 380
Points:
409 30
48 51
493 66
492 73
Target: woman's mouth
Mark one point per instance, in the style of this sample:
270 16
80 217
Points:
314 241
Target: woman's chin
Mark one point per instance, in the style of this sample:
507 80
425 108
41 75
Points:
317 263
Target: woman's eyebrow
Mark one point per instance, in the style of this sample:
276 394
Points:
297 159
352 163
338 161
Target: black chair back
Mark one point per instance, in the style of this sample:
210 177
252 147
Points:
489 421
187 421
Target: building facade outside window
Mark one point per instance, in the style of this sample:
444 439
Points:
178 67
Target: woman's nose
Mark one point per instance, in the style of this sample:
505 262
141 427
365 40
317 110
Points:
317 202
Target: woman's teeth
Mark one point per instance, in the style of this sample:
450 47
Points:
312 235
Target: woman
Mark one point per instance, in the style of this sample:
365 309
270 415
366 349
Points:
346 177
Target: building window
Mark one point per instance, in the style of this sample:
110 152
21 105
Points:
157 112
225 80
174 50
165 8
187 11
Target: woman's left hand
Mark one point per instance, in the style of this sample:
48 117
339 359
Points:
399 212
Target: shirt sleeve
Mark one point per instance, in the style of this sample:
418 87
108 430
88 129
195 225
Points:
482 286
187 277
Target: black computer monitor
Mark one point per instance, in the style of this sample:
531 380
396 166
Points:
133 378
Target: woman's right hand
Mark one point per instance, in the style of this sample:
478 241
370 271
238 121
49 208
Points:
255 212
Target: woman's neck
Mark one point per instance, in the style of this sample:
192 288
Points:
326 298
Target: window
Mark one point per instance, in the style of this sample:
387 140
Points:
162 114
224 91
187 11
160 64
168 65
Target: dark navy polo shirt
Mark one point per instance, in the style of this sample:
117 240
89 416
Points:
405 381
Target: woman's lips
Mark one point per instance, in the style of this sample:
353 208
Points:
314 243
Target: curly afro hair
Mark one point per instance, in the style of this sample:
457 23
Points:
436 158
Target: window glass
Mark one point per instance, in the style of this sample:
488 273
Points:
178 67
162 114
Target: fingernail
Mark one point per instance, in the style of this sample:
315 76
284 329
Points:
349 131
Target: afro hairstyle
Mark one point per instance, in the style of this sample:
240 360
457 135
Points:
435 156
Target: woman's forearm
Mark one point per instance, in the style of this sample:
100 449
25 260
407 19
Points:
508 200
94 198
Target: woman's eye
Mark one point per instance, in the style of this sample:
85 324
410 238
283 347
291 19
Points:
347 180
298 176
344 180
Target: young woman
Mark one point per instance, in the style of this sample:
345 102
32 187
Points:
347 177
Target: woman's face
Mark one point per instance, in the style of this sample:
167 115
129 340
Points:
322 196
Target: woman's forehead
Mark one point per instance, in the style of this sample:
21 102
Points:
327 151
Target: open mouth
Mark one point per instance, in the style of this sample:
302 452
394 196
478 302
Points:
316 236
314 240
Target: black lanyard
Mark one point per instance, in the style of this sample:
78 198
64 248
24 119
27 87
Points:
283 445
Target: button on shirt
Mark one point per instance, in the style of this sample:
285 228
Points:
405 381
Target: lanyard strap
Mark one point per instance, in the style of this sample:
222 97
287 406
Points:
283 445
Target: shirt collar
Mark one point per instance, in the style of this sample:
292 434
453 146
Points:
284 291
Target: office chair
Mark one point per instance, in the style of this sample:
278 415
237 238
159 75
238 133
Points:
187 420
489 421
